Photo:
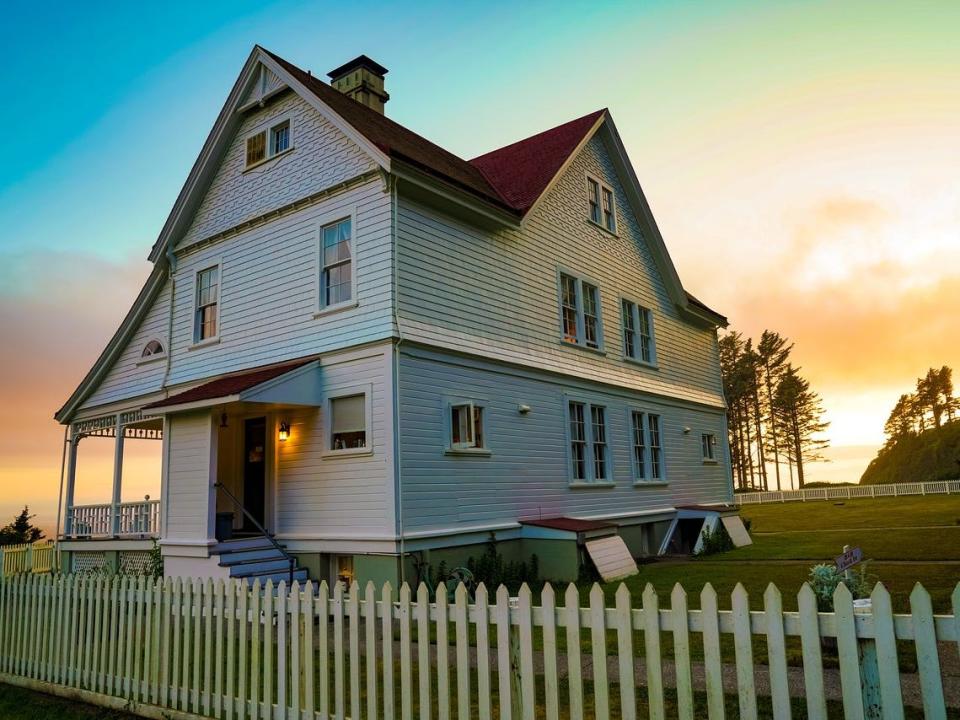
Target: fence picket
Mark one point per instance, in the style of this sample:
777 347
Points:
463 652
176 605
525 637
354 616
887 662
681 651
98 647
296 661
651 641
423 650
928 659
548 628
196 611
443 650
266 707
164 645
598 651
482 606
230 615
370 633
309 701
743 652
281 605
138 640
218 615
339 701
256 623
406 678
387 635
207 643
777 653
504 674
323 642
243 652
712 664
847 653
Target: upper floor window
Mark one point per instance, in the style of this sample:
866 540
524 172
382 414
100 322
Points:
336 262
466 427
589 452
152 349
601 204
348 422
268 143
708 444
646 446
637 332
580 311
206 319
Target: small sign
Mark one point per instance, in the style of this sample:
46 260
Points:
849 558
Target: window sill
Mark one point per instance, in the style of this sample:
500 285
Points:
263 162
346 452
204 343
582 485
596 351
650 483
641 363
708 461
151 359
333 309
468 452
600 226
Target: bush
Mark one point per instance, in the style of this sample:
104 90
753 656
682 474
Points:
824 579
715 542
493 571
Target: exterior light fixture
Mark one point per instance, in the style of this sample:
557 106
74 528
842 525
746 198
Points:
223 420
284 431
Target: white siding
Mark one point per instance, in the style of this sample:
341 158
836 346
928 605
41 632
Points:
349 496
322 156
129 376
187 487
527 473
268 289
495 294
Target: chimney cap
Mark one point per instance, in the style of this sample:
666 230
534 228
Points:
361 61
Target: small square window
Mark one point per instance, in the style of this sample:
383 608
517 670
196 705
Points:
256 148
280 138
348 422
466 427
708 443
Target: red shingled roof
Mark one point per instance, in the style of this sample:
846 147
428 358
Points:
522 171
232 384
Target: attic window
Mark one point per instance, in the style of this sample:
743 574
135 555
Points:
268 143
152 349
601 204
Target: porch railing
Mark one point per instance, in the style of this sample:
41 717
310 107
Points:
131 519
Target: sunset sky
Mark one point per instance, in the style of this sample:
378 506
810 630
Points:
801 159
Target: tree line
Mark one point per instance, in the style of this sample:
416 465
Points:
775 420
932 405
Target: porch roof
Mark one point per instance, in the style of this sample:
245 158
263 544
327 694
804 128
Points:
230 385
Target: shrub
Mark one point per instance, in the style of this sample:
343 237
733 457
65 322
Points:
824 579
492 570
717 541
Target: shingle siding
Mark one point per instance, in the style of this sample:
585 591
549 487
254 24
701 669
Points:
322 156
527 473
495 293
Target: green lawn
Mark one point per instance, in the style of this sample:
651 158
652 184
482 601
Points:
911 511
899 544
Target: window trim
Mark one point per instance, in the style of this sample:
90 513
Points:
644 479
711 458
601 187
196 342
638 309
320 309
448 447
581 315
156 356
590 481
365 389
266 128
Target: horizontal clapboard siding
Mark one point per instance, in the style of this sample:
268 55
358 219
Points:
188 476
526 474
495 293
349 496
322 156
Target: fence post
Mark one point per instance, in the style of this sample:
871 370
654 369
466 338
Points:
869 670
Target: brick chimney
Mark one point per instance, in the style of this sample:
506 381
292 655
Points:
361 79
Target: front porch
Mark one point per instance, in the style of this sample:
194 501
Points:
131 520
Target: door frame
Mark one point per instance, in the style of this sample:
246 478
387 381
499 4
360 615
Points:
269 466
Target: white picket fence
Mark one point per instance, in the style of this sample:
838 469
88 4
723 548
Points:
848 492
41 556
191 648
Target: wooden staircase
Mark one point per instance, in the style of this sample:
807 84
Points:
258 558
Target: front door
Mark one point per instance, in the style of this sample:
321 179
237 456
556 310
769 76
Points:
255 471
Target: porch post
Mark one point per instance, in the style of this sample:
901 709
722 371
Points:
117 477
71 480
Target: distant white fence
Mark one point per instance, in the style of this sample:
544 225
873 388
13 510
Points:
848 492
230 650
38 557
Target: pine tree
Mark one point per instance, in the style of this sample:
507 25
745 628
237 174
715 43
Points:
773 352
21 530
801 411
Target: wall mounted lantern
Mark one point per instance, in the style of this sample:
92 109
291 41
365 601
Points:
284 431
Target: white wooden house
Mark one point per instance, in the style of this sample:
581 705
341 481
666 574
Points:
375 350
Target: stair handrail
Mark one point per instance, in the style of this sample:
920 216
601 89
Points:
273 541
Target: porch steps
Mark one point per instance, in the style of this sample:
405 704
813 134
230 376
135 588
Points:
256 558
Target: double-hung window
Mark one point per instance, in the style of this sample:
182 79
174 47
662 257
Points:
580 312
466 426
708 444
600 201
207 302
268 143
637 332
589 452
646 447
336 262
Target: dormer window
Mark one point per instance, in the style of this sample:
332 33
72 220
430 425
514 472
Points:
601 204
268 143
151 350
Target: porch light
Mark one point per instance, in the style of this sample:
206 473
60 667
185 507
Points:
284 431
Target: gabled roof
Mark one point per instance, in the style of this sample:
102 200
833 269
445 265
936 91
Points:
523 170
231 384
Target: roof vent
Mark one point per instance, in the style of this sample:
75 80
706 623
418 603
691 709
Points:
362 80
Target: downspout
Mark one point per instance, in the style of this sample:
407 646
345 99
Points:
63 463
171 267
397 464
165 462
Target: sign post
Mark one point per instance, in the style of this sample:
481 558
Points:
866 647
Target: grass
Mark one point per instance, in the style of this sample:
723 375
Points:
20 704
903 512
896 544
